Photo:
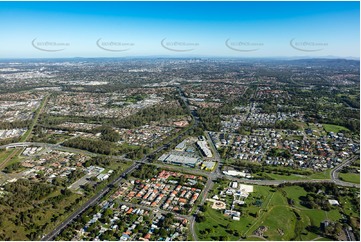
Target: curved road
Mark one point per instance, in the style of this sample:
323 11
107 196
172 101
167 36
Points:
216 173
336 170
212 175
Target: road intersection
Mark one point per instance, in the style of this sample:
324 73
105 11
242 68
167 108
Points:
211 176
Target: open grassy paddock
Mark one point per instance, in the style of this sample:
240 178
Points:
283 221
287 177
334 128
350 177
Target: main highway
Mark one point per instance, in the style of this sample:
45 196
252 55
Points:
96 198
216 173
211 176
92 201
336 170
146 160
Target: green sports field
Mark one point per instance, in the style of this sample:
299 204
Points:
283 222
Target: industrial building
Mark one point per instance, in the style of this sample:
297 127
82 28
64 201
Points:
237 173
180 160
204 148
181 146
208 165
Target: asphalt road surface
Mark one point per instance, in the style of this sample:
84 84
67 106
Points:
88 204
216 173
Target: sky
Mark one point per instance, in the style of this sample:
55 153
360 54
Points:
224 29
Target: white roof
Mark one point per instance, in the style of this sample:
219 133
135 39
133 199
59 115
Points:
333 202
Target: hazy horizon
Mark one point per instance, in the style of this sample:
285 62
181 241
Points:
180 29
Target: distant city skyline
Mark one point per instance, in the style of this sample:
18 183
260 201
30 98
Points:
179 29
